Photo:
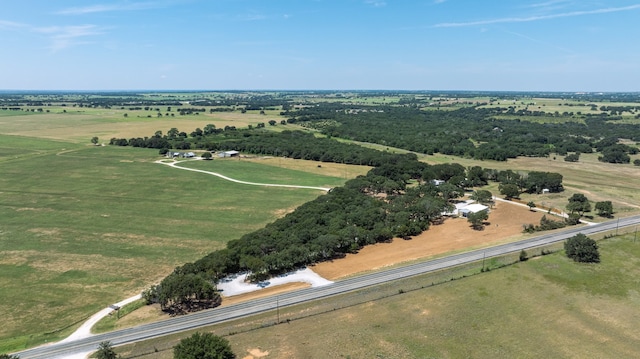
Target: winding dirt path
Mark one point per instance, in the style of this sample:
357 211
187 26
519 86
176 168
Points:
174 164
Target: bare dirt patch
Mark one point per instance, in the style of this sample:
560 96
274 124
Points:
266 292
255 353
505 221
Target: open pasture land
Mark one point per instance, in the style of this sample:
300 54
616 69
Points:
557 104
325 168
599 181
79 125
86 226
546 307
280 171
555 107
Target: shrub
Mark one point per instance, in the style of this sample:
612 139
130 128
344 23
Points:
523 255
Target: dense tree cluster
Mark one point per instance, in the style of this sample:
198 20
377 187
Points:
581 248
203 346
579 204
512 184
298 145
147 142
573 157
604 209
183 292
470 132
546 225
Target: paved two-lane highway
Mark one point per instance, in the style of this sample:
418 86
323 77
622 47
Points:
218 315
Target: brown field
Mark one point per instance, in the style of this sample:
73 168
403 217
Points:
505 222
455 234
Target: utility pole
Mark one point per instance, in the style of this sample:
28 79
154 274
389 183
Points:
277 310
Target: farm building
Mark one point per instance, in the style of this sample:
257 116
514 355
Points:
229 154
181 154
462 209
472 208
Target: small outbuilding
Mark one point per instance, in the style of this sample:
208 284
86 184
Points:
229 154
462 209
472 208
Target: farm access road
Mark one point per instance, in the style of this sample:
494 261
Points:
175 163
219 315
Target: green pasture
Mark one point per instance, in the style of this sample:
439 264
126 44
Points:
86 226
262 173
546 307
551 105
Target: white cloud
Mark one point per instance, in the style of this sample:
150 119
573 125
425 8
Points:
254 17
551 3
376 3
11 25
108 8
539 17
540 42
63 37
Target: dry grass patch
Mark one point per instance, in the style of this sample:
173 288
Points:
81 126
338 170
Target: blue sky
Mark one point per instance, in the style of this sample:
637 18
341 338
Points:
515 45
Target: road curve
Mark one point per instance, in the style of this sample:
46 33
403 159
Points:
219 315
174 164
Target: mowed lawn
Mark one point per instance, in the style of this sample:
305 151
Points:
546 307
257 171
86 226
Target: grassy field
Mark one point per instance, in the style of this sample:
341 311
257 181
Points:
597 180
86 226
619 183
547 307
261 171
79 125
